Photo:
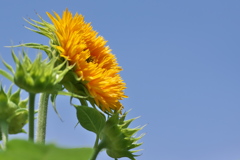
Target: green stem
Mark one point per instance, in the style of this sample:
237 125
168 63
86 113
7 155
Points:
31 116
95 153
42 118
83 102
96 141
97 149
4 129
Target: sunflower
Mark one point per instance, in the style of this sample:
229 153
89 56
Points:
94 63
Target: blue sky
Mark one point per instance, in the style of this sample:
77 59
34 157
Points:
181 65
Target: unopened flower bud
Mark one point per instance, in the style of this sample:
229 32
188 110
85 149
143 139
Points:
118 139
38 76
13 111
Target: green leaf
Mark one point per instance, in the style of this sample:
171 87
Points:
24 150
90 118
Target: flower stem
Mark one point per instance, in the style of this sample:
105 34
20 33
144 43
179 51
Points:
96 141
95 153
4 129
31 117
83 102
42 118
97 149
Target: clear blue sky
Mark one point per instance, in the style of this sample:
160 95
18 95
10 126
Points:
181 63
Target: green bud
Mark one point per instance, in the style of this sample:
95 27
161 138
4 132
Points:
118 139
39 76
18 121
13 110
7 107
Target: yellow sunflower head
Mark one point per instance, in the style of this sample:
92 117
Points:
95 66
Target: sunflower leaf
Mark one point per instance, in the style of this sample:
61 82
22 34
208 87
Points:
90 119
24 150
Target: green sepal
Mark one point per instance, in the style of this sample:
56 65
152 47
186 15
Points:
36 46
6 75
71 94
23 103
135 145
8 66
9 92
3 97
90 118
44 27
41 31
127 122
15 97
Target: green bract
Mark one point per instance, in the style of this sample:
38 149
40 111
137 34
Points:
118 139
38 76
13 111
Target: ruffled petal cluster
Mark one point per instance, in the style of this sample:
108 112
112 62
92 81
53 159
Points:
94 63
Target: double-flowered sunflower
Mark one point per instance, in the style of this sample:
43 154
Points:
95 65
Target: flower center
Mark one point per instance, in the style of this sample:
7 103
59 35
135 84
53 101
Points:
90 59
